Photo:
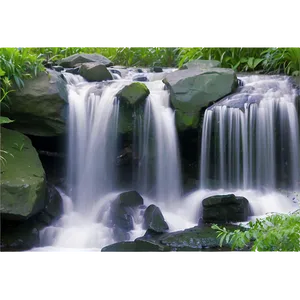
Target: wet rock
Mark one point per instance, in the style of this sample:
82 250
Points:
156 69
74 71
122 212
58 68
133 93
225 208
140 77
136 248
154 220
94 71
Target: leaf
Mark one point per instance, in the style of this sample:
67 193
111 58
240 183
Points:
222 239
257 61
5 120
2 73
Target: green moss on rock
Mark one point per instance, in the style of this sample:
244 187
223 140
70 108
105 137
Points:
23 186
134 93
185 120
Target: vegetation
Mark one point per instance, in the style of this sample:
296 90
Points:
276 232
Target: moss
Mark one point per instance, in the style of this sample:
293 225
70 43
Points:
134 93
186 120
22 177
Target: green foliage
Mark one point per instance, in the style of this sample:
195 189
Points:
123 56
2 158
17 64
267 60
277 232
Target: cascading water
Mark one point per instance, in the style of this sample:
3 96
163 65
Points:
159 135
92 152
250 140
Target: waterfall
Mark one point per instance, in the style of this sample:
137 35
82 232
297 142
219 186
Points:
250 140
159 136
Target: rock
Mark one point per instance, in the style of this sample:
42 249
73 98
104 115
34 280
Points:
19 238
94 71
115 71
138 245
193 89
185 120
120 234
23 185
122 211
119 71
130 199
75 59
140 77
200 64
58 68
134 93
156 69
154 220
53 208
74 71
40 107
225 208
194 239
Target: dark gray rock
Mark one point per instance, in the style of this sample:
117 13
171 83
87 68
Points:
154 219
74 60
94 72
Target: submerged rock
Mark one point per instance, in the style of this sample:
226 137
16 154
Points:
154 220
140 77
225 208
23 184
75 59
122 211
94 71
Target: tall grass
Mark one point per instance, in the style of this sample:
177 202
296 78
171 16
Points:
268 60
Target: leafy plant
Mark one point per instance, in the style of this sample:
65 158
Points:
277 232
2 158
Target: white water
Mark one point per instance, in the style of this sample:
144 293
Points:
91 170
159 117
251 140
92 144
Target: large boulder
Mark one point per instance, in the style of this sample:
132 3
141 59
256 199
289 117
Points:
94 71
23 185
154 220
225 208
76 59
200 64
40 107
24 235
192 90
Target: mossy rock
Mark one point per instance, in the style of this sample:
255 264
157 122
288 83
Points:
40 108
186 120
23 185
134 93
154 219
